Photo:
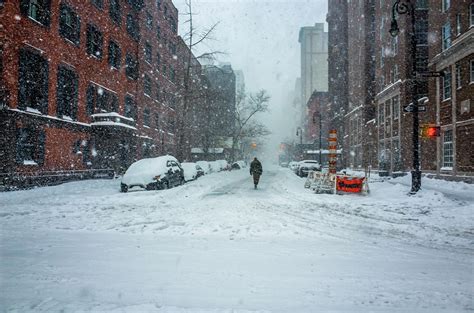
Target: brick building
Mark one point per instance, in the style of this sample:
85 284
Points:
86 84
338 63
359 128
317 111
452 96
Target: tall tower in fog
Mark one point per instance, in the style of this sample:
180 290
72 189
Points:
314 60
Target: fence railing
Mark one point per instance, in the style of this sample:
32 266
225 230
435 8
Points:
25 180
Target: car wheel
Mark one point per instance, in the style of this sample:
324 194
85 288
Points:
123 188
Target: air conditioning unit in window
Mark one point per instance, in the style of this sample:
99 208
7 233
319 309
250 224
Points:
465 106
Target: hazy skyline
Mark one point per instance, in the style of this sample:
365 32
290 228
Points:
261 39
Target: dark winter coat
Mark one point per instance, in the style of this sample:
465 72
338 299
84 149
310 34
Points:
256 167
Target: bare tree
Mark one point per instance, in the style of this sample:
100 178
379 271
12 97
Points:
192 89
247 107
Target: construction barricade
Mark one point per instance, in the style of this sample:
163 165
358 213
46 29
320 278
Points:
321 182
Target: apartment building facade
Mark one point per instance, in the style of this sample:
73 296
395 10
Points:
86 84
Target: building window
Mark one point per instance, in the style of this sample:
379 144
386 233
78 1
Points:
446 85
30 146
471 15
115 11
174 29
458 24
472 71
130 108
381 115
131 67
147 85
67 92
101 100
421 31
157 121
446 33
115 55
158 4
94 41
158 59
458 76
396 107
133 28
158 32
422 4
149 20
146 117
33 82
69 24
38 10
448 149
98 3
445 5
148 53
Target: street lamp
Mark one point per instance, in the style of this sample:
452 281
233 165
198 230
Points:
299 132
407 7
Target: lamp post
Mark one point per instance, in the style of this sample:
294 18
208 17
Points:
299 132
402 7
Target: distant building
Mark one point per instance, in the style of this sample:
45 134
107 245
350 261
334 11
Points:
239 81
314 60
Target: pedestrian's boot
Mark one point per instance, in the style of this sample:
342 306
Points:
255 186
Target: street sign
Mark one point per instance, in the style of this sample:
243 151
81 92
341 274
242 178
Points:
431 74
410 108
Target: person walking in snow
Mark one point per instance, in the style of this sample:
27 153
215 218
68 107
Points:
256 171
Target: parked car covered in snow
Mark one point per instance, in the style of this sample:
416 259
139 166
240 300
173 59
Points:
305 166
191 171
205 166
293 165
154 173
215 166
224 165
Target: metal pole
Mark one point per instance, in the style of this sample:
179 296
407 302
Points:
320 136
416 173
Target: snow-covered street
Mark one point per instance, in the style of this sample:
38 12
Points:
217 245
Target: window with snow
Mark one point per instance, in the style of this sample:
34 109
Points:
100 100
446 85
30 146
95 41
115 11
446 34
115 55
69 24
157 121
448 155
33 81
38 10
67 93
133 28
131 67
158 59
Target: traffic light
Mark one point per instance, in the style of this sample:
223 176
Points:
430 131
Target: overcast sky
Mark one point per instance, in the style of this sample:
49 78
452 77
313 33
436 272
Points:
261 39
